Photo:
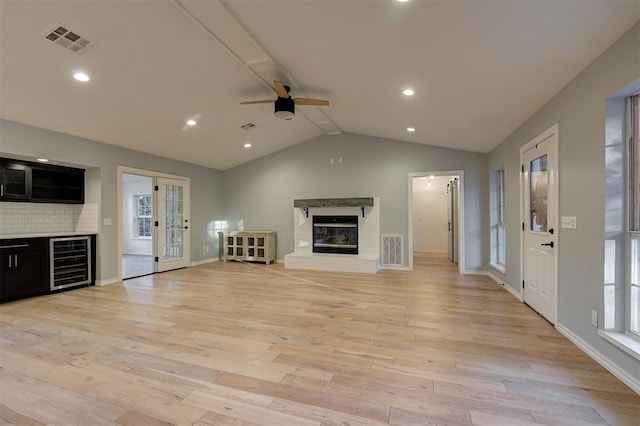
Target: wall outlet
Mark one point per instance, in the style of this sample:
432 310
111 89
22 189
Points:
594 318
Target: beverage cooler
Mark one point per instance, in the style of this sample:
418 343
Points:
70 262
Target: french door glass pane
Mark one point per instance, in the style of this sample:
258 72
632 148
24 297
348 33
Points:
538 176
173 222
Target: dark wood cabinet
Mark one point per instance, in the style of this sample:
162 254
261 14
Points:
26 265
15 181
40 183
23 268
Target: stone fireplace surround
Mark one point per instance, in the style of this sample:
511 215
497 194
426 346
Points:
368 258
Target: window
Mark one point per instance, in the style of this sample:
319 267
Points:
143 216
633 254
497 219
621 323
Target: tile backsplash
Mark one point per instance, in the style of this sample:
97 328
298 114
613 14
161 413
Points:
36 218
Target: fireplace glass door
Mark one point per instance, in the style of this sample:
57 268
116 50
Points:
335 234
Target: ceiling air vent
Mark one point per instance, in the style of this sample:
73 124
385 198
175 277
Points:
247 126
68 39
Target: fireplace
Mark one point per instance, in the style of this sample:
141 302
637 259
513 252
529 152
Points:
335 234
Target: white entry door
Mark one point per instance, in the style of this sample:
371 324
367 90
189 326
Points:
540 242
173 227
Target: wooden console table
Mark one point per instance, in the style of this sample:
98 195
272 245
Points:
259 246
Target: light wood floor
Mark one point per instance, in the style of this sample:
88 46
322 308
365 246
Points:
233 343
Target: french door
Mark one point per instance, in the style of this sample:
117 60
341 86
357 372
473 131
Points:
172 226
540 240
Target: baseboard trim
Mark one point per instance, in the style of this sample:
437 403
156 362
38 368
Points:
474 272
203 261
506 287
102 283
624 377
395 268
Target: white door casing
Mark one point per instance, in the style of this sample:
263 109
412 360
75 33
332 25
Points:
173 230
539 201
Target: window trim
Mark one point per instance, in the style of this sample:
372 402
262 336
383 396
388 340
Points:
498 228
632 137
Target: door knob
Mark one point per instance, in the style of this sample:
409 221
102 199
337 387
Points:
548 244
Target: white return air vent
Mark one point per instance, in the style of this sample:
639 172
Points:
68 39
392 250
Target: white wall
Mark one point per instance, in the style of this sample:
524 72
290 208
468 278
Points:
260 193
102 161
430 215
580 110
130 244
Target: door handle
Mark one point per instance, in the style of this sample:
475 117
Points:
15 263
548 244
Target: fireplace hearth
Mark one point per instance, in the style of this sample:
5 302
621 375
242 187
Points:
335 234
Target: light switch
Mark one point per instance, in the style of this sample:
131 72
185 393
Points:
106 221
569 222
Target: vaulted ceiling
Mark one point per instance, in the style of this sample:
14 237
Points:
479 69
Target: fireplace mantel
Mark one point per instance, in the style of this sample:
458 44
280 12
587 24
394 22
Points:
361 202
368 258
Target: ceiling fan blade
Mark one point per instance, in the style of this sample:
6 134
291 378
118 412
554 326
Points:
280 90
306 101
265 101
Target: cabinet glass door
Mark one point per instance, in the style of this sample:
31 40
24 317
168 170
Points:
15 181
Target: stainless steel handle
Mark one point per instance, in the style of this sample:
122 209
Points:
9 261
2 190
15 246
16 261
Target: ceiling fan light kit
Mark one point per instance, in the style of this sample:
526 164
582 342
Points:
284 106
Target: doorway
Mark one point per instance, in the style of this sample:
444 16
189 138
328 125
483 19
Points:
153 222
436 216
539 207
137 225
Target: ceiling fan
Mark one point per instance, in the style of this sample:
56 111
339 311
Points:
285 106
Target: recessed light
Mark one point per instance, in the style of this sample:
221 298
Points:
408 92
80 76
411 129
403 1
42 160
191 122
247 145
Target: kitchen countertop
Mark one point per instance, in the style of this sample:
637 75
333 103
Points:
44 235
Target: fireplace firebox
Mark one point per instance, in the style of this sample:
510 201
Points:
335 234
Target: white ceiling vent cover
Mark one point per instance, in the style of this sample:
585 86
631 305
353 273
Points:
392 250
68 39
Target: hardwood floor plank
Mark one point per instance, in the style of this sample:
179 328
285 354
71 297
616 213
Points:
321 396
325 416
401 417
243 411
11 417
137 399
244 344
131 418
